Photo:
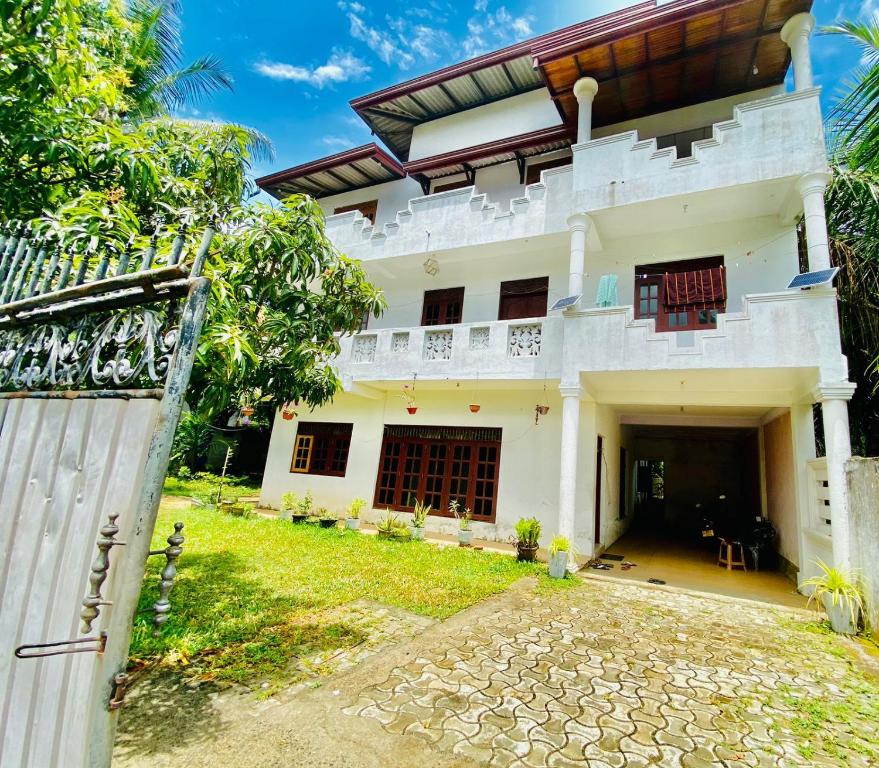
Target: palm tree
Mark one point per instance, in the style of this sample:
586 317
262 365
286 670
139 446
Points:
853 225
158 83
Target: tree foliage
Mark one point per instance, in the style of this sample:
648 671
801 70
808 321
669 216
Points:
89 148
852 203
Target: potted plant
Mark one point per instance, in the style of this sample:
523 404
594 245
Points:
419 517
325 518
840 595
527 538
301 508
289 502
465 533
559 551
390 527
352 518
474 407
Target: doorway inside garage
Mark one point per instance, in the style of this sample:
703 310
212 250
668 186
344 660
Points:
690 487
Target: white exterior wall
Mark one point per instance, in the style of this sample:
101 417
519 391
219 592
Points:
500 120
528 485
392 196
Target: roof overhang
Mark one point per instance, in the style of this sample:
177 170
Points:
647 58
491 153
343 172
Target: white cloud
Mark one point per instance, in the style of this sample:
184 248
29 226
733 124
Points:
341 67
489 30
336 142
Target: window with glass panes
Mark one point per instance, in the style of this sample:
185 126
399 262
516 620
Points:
443 307
321 448
437 465
650 299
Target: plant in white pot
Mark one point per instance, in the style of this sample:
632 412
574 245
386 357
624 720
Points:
419 518
289 502
352 516
840 595
559 552
465 532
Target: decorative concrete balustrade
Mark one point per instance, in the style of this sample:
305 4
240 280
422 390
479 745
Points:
771 138
516 349
771 330
774 138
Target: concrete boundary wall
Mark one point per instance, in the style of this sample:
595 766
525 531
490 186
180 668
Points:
862 478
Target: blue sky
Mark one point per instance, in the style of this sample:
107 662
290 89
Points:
297 64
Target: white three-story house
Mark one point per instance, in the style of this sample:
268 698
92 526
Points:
649 168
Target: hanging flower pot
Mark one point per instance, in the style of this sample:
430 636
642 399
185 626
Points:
411 409
542 410
474 407
247 411
288 414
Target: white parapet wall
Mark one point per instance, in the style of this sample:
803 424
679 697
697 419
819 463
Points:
767 139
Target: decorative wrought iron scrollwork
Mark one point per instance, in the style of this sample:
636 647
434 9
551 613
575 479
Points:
127 348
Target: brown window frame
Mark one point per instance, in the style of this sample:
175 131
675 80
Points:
533 171
326 440
368 209
445 301
450 185
532 288
650 275
410 458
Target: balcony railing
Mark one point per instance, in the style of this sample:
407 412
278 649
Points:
500 349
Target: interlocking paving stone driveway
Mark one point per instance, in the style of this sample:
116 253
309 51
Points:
613 674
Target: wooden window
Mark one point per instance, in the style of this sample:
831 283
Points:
532 173
437 465
321 448
302 453
650 296
523 298
443 307
450 185
368 209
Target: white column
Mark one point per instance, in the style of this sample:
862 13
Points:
838 448
796 33
584 91
578 224
568 464
811 188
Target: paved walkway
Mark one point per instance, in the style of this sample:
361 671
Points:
602 674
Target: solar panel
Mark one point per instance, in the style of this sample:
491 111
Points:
566 302
812 279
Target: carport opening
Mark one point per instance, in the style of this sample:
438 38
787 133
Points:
690 487
689 479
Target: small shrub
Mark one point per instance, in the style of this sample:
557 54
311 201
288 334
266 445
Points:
464 517
839 587
304 505
355 507
559 544
289 501
528 531
391 526
419 514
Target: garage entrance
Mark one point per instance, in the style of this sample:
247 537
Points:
692 486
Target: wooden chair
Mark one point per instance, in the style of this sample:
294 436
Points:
727 554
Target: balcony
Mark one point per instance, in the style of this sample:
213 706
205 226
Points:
767 144
794 330
770 139
509 349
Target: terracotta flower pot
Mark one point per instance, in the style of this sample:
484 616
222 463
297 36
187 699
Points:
288 415
411 409
474 407
247 411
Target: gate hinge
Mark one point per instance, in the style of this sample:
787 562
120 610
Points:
120 684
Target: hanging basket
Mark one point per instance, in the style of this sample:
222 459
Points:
474 407
411 409
247 411
288 415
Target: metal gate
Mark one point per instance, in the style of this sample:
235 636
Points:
96 350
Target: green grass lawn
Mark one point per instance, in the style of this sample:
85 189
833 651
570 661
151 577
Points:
252 594
203 486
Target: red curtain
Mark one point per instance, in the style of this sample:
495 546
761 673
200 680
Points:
695 290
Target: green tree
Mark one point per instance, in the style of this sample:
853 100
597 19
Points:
90 150
853 225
